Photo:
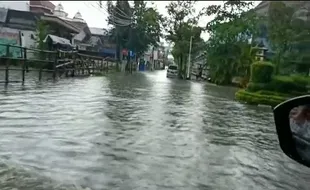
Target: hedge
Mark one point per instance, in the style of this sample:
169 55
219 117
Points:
257 98
261 72
282 84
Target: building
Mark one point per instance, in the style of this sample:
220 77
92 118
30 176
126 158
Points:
101 35
15 5
41 7
17 28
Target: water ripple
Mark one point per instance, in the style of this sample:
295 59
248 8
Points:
140 131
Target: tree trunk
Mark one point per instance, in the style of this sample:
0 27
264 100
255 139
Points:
180 66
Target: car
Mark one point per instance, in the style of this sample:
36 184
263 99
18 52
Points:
172 71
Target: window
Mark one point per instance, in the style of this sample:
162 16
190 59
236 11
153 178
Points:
173 67
32 36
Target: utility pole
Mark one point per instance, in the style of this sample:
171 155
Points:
189 58
128 51
152 67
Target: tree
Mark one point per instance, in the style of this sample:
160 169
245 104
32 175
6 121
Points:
135 28
181 26
280 30
42 29
146 28
229 51
120 18
288 32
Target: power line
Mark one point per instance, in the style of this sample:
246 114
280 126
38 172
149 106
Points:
121 20
116 21
123 14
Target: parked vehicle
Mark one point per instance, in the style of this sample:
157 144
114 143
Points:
172 71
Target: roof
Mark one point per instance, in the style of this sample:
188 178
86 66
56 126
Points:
69 25
46 4
79 25
95 40
98 31
24 19
80 36
23 14
57 40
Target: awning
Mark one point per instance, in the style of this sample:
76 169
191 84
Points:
57 40
108 51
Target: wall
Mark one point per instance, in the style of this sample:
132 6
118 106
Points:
28 40
12 36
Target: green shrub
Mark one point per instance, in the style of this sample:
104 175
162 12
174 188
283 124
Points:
282 84
259 98
254 87
261 72
288 85
266 92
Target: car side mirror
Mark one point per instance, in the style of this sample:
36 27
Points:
292 119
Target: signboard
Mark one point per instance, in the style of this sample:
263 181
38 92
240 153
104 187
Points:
125 52
12 37
131 54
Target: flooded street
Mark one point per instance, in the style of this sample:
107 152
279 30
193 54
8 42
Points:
144 131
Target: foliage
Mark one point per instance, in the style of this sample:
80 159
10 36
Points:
146 30
282 84
287 84
120 18
135 28
229 50
262 98
261 72
42 29
289 35
181 26
280 30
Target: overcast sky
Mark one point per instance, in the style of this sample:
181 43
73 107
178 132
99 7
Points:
96 17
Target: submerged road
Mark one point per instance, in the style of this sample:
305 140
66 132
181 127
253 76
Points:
144 131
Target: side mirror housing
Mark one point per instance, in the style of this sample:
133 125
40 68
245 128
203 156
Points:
292 119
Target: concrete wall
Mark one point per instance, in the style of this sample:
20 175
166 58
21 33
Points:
28 40
24 38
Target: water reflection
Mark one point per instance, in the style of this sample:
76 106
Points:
138 132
